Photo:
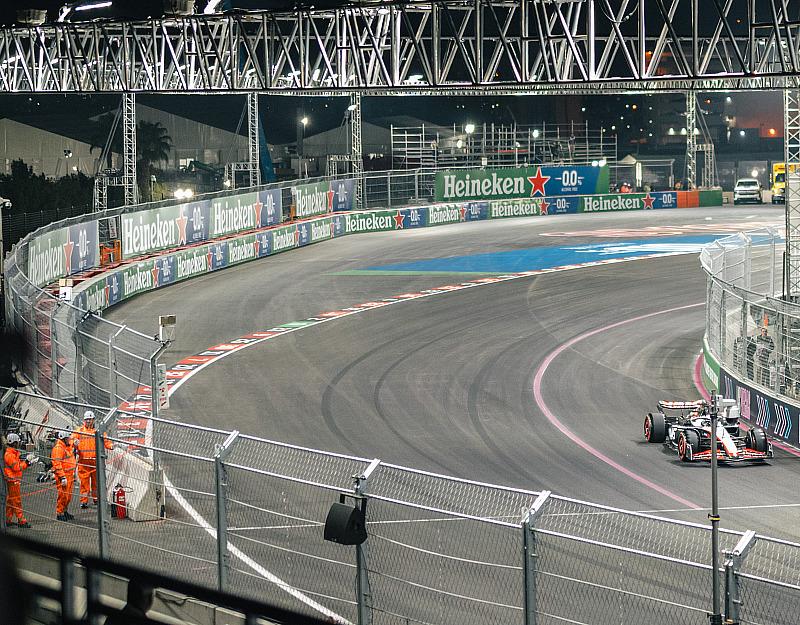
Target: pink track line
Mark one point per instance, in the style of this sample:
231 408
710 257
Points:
555 421
698 382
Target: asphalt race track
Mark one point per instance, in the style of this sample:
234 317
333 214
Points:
479 383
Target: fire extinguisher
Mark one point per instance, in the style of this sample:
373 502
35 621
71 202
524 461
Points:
119 505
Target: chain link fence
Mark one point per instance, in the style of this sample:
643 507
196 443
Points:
751 328
248 515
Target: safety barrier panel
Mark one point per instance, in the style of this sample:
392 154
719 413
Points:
247 513
752 342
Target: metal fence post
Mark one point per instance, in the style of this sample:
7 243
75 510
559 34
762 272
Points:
53 353
529 557
112 367
733 563
743 339
772 267
154 406
363 590
388 190
78 358
220 489
103 525
723 328
747 274
67 593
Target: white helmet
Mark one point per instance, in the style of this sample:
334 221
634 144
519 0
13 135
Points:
12 438
63 434
88 415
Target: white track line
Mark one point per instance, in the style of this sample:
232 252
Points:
247 560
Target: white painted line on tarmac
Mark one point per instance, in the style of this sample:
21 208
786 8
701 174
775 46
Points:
231 347
247 560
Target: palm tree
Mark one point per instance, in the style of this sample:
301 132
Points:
104 126
153 145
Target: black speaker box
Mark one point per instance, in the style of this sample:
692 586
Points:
345 525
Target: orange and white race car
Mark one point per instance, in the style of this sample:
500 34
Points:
685 426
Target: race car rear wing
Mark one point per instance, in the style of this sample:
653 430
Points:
681 405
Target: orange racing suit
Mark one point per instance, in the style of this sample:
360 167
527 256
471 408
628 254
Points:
63 457
13 466
87 461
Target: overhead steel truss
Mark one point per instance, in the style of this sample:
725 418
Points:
791 112
463 46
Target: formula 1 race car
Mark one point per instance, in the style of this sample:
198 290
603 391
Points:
685 426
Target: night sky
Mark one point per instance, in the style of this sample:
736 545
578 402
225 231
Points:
280 113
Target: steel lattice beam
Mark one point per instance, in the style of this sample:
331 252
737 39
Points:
356 149
129 149
447 46
252 139
691 140
791 111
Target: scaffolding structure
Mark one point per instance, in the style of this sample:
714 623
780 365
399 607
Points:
691 139
791 112
129 149
356 149
252 139
479 47
499 145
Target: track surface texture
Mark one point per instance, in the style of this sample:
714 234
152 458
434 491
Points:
446 383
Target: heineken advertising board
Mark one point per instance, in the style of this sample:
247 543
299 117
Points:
320 229
534 206
629 202
412 218
110 288
63 252
440 215
162 228
367 221
139 277
191 262
285 238
319 198
144 232
245 211
505 184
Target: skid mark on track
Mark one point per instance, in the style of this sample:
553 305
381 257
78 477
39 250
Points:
187 368
558 424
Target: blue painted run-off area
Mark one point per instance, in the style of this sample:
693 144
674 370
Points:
548 257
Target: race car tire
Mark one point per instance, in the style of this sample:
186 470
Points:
655 428
688 445
757 439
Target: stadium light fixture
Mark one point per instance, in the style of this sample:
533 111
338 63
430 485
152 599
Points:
469 128
93 5
352 107
304 120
